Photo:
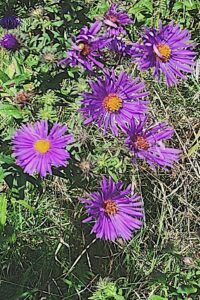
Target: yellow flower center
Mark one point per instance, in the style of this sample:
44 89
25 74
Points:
165 52
85 49
81 46
110 207
141 143
112 103
42 146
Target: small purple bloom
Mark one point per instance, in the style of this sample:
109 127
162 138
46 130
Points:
147 143
36 150
114 101
9 42
116 19
85 48
119 47
10 22
167 50
115 212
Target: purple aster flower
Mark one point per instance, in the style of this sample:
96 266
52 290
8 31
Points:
167 50
114 101
120 47
10 22
9 42
116 19
36 150
115 212
147 143
85 48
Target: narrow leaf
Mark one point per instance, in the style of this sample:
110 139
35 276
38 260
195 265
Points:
3 209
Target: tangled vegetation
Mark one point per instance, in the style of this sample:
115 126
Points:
46 250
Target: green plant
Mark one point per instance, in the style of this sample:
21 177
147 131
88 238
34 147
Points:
107 290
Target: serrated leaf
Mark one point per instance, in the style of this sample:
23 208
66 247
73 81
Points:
3 209
8 110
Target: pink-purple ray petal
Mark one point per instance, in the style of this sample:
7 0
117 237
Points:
33 161
127 218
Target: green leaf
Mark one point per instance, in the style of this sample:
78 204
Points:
8 110
113 175
68 282
6 159
18 66
26 205
3 174
4 77
187 290
58 23
3 209
11 69
119 297
195 147
156 297
21 78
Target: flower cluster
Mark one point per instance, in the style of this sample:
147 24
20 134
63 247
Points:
166 50
9 41
116 102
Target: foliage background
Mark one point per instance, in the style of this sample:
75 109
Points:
45 251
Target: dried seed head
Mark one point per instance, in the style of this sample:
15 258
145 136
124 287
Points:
188 261
49 57
37 12
85 166
23 97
